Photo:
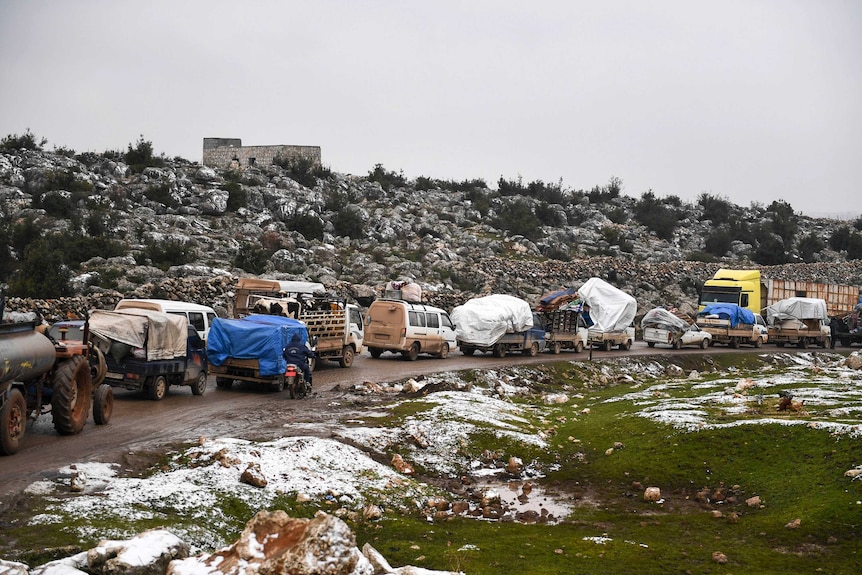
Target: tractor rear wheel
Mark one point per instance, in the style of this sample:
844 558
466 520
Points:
13 422
71 396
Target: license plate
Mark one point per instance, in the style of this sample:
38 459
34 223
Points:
114 375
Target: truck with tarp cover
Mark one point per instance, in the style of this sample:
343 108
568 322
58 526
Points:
749 289
149 351
798 321
565 327
498 324
665 326
335 327
732 325
609 314
251 349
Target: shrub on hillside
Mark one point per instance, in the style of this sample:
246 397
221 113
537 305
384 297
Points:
161 193
517 218
237 197
141 156
42 273
252 258
809 246
386 178
26 141
656 216
717 210
167 253
348 223
311 227
301 170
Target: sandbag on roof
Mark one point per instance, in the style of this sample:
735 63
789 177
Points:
796 308
611 309
483 320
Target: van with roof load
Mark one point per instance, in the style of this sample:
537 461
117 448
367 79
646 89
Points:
408 328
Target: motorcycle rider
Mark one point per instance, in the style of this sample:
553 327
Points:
298 353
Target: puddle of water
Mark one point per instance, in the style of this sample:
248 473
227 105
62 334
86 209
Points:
523 497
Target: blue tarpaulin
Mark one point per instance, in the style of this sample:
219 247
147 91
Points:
260 337
729 311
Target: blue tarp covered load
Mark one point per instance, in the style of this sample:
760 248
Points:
260 337
729 311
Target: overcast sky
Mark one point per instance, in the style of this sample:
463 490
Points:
751 100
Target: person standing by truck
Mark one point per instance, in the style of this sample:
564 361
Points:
298 353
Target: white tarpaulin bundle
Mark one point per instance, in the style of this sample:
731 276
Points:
611 309
796 308
661 318
482 320
162 335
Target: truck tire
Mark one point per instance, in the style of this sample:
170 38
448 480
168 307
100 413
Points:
533 350
579 347
444 351
845 342
802 343
677 344
780 344
200 384
347 354
412 353
103 404
556 347
13 422
627 345
468 351
703 343
224 382
827 342
375 352
650 344
98 367
158 388
607 345
734 343
758 343
499 350
71 396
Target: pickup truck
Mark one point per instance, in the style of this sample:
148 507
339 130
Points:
606 340
799 321
498 324
564 329
150 351
732 325
251 349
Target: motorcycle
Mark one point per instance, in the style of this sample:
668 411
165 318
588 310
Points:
295 382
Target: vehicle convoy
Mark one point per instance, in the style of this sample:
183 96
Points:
609 313
40 375
732 325
565 327
149 351
746 288
251 349
798 321
334 326
408 328
498 324
663 326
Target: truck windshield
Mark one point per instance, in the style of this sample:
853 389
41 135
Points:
709 296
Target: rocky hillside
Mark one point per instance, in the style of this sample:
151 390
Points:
83 230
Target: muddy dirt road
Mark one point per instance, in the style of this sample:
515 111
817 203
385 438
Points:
140 427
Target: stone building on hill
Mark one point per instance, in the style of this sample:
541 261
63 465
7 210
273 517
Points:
230 153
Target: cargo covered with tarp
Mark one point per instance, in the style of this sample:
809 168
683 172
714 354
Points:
663 318
484 320
560 299
611 309
796 309
260 337
160 335
732 313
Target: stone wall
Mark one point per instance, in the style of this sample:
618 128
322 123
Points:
230 153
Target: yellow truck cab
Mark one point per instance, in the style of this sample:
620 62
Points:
741 287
